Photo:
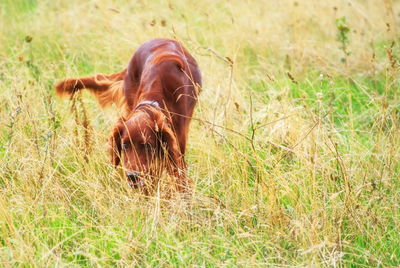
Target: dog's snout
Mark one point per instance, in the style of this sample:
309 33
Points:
133 176
134 179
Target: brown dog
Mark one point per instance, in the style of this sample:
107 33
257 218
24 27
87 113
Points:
159 90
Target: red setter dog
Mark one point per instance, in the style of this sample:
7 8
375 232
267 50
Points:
159 90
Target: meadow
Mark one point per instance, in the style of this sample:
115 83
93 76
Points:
294 147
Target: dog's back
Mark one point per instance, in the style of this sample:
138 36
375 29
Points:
161 59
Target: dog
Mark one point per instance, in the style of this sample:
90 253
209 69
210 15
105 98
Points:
159 91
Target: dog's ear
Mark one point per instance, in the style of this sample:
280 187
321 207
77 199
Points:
176 165
115 145
171 145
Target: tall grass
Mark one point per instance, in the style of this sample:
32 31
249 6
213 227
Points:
294 153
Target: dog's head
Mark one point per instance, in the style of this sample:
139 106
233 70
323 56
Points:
147 144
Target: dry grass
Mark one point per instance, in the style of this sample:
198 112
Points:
294 153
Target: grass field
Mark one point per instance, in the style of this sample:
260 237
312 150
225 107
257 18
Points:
294 149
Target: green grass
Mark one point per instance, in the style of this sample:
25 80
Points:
294 154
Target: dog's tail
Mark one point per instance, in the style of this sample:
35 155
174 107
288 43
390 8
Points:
108 89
